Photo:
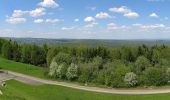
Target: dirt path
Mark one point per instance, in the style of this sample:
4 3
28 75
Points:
33 80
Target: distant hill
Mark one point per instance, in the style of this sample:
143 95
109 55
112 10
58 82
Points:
90 42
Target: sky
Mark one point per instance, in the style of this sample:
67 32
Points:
85 19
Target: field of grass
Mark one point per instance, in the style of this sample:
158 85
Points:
19 91
22 68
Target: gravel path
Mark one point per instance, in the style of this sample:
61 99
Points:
37 81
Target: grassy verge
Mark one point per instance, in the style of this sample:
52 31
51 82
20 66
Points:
22 68
19 91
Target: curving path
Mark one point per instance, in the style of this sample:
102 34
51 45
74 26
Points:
37 81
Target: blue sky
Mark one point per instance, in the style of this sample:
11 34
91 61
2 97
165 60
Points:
82 19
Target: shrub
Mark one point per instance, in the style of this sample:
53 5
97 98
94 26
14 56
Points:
53 69
72 72
130 79
155 76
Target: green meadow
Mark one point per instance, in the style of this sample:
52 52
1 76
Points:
19 91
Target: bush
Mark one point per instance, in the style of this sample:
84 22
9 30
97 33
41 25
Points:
63 58
117 77
53 69
130 79
61 71
72 72
141 64
156 76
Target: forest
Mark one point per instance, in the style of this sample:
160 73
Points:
115 67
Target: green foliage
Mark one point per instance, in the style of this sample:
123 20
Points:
141 64
63 58
7 50
52 52
168 74
85 72
155 76
117 77
16 52
26 54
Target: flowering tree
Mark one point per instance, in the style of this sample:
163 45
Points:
130 79
53 69
72 72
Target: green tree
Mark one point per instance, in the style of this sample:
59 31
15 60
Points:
156 76
168 74
52 52
38 55
16 54
7 50
101 77
26 53
141 64
155 56
117 77
63 58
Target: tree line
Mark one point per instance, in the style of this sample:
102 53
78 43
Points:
114 67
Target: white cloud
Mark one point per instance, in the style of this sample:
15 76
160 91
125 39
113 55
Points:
48 20
113 26
103 15
153 15
76 20
91 25
149 27
38 21
67 28
16 17
137 25
125 11
89 19
53 20
154 26
15 20
19 13
49 4
122 9
131 15
37 12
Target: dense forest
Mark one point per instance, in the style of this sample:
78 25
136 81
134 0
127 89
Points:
113 67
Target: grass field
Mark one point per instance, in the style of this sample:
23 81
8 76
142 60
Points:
19 91
22 68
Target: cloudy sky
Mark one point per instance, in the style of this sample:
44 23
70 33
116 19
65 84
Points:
94 19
